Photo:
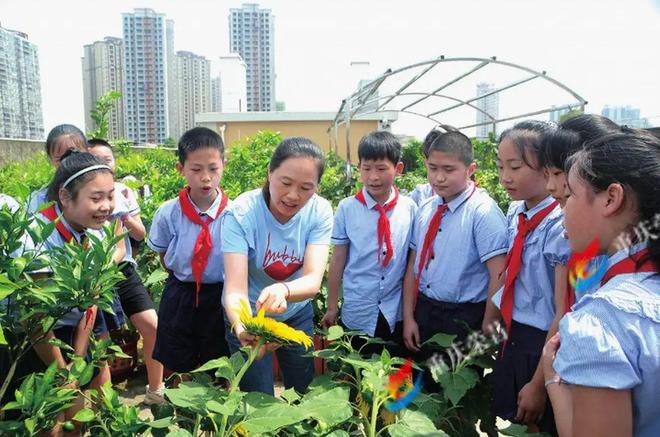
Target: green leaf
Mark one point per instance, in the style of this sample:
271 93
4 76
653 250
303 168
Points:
3 340
156 277
290 395
272 418
229 406
85 415
7 287
519 431
223 366
86 374
440 339
192 395
456 384
414 424
335 332
178 432
330 408
160 423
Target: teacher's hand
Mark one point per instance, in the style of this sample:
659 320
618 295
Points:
273 299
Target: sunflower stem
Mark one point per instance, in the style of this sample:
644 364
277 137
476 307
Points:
252 355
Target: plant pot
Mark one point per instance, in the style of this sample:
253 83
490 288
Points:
127 340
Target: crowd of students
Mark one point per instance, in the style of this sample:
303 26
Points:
444 259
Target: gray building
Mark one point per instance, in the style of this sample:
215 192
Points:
21 115
625 115
489 104
252 36
192 88
146 49
216 94
103 71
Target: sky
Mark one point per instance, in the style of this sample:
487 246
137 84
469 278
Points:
605 50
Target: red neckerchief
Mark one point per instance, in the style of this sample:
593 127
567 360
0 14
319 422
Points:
630 264
204 243
514 260
51 214
384 232
427 247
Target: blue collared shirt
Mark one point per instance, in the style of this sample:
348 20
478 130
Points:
545 248
421 193
473 230
275 250
368 287
612 340
36 199
174 235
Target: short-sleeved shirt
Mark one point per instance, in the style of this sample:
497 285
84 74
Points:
421 193
275 250
55 239
544 249
473 230
368 286
36 199
125 204
612 340
174 235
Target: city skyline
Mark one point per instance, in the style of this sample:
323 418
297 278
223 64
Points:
313 60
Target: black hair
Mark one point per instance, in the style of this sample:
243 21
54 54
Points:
96 142
631 159
68 130
557 145
72 162
449 141
199 138
527 135
294 147
379 145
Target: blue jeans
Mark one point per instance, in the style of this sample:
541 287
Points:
297 370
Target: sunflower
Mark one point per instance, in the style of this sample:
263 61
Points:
270 329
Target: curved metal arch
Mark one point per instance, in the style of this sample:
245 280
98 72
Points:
456 99
353 104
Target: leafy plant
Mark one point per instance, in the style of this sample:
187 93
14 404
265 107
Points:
101 112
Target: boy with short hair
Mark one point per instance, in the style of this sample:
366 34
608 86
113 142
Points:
371 235
457 250
186 233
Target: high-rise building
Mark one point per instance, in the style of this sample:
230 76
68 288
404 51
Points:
216 94
233 91
625 115
146 48
193 89
103 69
489 104
252 36
20 87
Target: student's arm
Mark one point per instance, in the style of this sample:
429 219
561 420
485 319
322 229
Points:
531 398
135 227
120 248
274 297
337 264
46 351
495 266
601 411
558 392
410 328
83 331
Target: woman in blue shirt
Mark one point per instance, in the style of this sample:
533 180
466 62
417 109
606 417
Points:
275 242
